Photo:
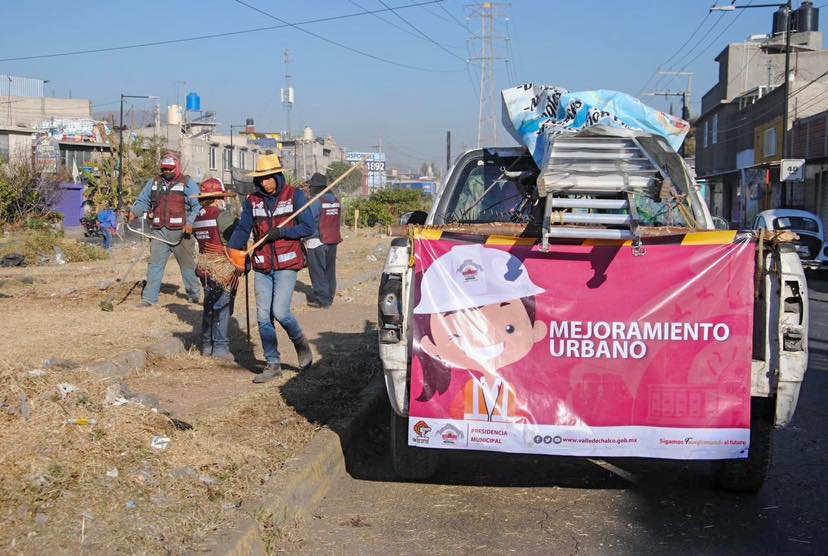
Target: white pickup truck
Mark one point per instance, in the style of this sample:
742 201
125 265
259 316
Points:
602 188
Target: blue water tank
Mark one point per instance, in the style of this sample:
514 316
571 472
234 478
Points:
193 102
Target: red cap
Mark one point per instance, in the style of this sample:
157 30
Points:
170 161
212 185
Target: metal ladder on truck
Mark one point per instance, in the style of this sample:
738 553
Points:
590 183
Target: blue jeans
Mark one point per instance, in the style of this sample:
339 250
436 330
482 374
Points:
215 322
274 291
184 254
107 237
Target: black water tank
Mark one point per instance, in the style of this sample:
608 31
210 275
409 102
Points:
780 20
806 17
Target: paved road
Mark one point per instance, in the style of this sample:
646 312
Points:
526 505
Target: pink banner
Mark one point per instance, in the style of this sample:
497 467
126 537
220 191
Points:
584 350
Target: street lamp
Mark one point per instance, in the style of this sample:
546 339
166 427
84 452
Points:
121 146
232 127
789 21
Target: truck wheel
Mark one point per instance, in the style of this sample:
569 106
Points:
748 475
410 463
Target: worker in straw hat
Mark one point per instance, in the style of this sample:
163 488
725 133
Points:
277 261
476 314
212 228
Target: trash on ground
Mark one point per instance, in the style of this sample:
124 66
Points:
60 256
81 421
160 442
112 473
64 389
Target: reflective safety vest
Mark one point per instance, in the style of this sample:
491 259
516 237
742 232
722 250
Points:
206 232
489 402
329 220
283 254
169 203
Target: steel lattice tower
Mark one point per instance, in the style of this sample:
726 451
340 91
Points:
488 13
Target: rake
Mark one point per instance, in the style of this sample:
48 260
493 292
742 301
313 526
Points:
226 265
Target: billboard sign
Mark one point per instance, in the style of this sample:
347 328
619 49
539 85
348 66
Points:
516 350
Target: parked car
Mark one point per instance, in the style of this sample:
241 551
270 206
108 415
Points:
808 226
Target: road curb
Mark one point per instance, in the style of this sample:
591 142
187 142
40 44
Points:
300 484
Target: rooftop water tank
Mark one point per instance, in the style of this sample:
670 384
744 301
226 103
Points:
307 134
806 17
174 114
780 20
193 102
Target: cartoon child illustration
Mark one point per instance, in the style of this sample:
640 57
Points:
476 314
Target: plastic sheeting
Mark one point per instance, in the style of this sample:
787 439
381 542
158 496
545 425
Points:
535 114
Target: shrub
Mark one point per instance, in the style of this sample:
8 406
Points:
34 244
385 206
25 189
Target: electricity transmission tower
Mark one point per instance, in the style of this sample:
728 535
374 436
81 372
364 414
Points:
287 94
488 13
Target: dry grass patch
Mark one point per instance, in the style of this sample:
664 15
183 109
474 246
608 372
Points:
104 488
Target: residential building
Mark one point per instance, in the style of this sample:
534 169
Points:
62 127
308 154
739 133
205 152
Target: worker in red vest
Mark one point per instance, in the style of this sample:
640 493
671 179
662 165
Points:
277 261
321 246
212 228
169 201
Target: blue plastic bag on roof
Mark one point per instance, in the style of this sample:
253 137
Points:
535 114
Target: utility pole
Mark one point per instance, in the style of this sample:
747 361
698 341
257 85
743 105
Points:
287 94
488 13
121 146
448 151
688 92
786 7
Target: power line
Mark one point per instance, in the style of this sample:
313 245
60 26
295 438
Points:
667 61
754 117
418 30
339 44
452 16
396 26
690 51
215 35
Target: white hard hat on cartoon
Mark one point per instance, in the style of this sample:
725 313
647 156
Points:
471 276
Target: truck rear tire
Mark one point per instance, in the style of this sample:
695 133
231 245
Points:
415 464
748 475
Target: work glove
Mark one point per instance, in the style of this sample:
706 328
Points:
274 233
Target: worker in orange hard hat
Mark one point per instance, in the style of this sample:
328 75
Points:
212 228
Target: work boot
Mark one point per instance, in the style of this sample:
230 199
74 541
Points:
144 303
303 353
223 355
271 371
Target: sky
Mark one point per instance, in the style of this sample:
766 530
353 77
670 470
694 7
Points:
410 82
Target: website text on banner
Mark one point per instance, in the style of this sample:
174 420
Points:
521 351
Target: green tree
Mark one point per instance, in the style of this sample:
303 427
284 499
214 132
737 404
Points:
140 164
351 183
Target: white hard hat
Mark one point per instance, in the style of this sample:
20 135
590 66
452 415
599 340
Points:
471 276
